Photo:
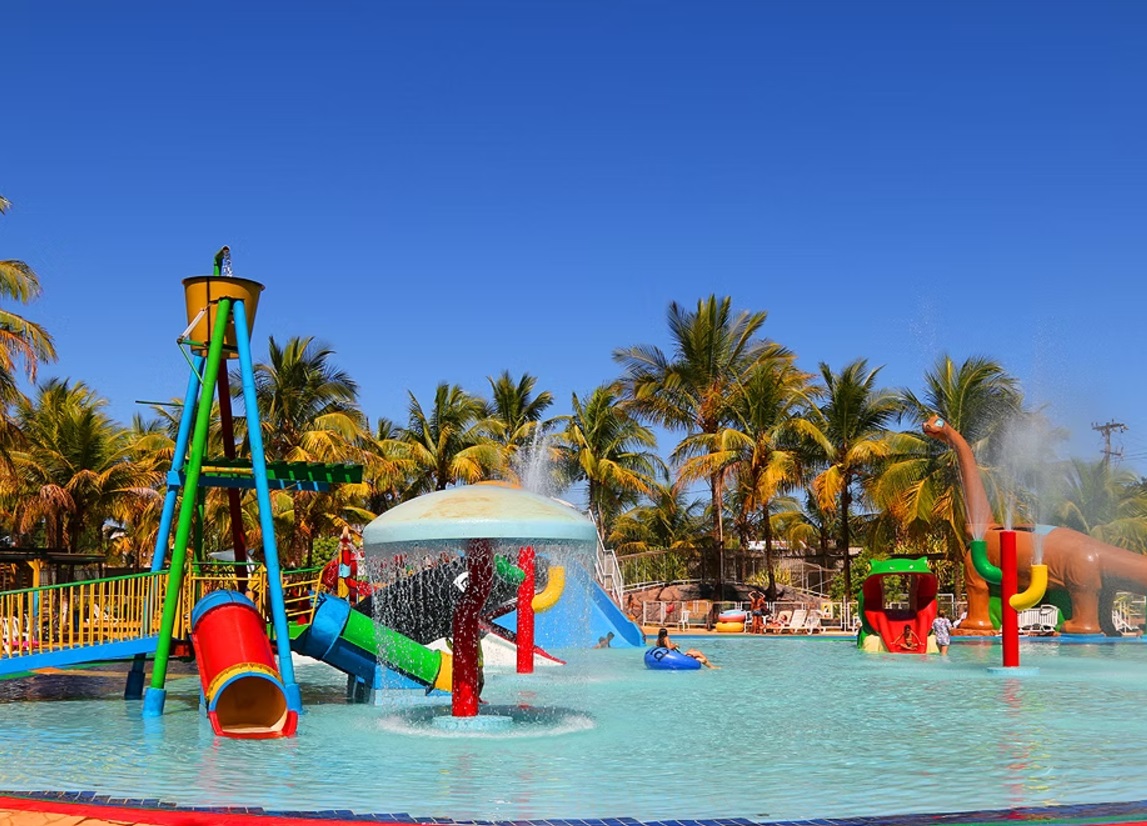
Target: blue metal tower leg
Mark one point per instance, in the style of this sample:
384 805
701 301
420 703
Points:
266 522
173 481
133 689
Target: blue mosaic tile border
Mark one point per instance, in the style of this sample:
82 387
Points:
1080 814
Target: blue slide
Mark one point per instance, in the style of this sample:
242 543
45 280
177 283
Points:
564 625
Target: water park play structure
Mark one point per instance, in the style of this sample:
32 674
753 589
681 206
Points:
485 525
1082 574
501 562
901 630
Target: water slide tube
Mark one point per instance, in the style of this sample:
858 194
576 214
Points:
354 643
667 659
242 690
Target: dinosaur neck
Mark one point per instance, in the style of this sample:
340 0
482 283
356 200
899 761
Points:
976 506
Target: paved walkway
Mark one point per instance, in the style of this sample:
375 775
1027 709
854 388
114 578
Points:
21 811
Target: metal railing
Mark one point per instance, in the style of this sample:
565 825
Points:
97 612
60 617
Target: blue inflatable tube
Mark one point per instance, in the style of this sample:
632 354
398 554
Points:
665 659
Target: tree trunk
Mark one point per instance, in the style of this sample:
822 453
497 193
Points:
845 539
767 529
718 532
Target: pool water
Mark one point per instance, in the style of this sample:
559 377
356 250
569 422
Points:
786 729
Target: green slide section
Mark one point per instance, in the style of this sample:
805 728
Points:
395 650
354 643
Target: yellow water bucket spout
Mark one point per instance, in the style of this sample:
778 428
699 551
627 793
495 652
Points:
202 293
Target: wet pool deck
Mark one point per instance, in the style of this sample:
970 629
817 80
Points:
88 809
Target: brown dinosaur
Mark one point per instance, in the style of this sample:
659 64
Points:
1089 570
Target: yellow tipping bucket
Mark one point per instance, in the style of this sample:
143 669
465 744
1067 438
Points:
202 293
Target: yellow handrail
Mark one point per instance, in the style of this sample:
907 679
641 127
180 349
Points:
61 617
79 614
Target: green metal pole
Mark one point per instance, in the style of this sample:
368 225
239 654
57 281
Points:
187 504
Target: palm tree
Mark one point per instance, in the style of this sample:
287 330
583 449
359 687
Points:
74 469
515 420
448 444
666 519
309 413
1107 503
714 349
850 426
919 490
768 461
21 340
658 538
611 451
388 468
307 405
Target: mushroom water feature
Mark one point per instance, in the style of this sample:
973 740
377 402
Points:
487 524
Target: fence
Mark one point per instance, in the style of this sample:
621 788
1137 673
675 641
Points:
74 615
59 617
702 613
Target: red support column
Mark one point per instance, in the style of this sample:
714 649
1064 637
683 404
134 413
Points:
480 567
526 611
1009 619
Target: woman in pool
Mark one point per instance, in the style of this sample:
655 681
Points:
663 641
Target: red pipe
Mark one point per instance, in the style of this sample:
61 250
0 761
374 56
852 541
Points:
464 683
238 535
526 611
1009 619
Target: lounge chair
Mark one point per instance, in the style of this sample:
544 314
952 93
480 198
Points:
1121 625
796 622
1039 621
812 623
1029 621
779 622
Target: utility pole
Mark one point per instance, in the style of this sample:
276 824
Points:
1107 429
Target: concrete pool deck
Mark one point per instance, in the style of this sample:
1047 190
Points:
88 809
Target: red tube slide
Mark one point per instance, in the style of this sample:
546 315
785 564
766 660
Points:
244 694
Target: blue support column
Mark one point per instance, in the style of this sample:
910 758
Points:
133 690
173 480
266 521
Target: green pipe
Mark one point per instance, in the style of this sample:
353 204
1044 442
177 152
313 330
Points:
508 570
983 565
398 652
187 505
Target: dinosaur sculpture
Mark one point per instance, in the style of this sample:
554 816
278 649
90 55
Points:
1089 571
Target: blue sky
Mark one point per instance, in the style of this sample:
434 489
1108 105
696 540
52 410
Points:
442 191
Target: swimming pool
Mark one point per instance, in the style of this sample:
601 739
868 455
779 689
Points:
786 729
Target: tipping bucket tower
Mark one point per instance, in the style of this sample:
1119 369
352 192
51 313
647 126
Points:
220 314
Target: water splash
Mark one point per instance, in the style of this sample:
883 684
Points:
1027 472
535 467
